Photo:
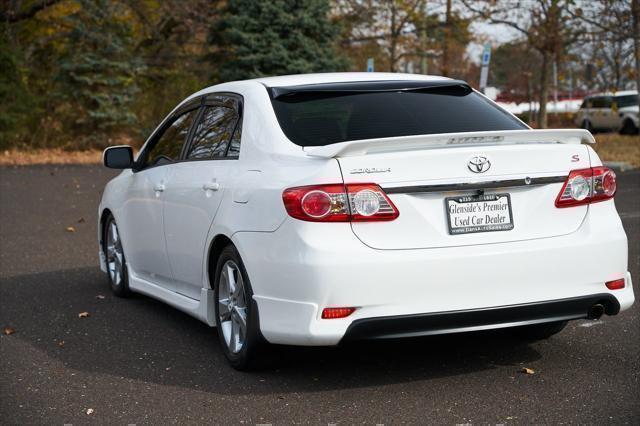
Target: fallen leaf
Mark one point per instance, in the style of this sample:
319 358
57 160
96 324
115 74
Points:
71 229
100 296
83 314
81 220
89 411
9 330
527 370
61 343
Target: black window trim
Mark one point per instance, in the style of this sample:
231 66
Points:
195 104
209 100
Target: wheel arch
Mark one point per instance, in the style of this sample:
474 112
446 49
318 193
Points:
106 212
216 246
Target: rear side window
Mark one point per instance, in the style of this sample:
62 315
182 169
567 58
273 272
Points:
168 147
234 146
627 101
213 133
323 118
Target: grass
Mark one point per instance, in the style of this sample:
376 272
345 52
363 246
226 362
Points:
615 147
609 146
16 157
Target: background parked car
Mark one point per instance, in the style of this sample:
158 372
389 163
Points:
627 103
610 112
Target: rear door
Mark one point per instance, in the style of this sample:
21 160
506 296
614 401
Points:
513 193
609 114
195 188
599 111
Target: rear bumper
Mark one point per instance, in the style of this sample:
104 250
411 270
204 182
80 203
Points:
479 319
304 267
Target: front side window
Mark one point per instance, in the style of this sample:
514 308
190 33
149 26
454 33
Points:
317 118
599 102
213 133
168 147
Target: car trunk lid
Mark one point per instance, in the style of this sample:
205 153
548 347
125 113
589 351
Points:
432 180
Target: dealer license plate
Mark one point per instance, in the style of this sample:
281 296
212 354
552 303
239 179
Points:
479 213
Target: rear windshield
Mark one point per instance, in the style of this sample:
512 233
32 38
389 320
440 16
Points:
627 101
324 118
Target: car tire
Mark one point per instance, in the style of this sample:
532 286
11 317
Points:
629 128
541 331
117 273
237 318
586 124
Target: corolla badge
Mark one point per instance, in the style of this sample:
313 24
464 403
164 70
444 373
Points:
367 170
479 164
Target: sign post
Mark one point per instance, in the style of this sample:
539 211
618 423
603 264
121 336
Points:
484 72
370 65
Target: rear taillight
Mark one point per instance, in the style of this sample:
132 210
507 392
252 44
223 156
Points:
586 186
339 203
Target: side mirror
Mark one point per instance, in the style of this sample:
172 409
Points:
118 157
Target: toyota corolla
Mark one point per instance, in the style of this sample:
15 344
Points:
319 209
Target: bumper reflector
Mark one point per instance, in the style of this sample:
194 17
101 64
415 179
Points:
615 285
333 313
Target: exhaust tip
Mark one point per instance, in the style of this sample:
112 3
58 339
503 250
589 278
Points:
595 312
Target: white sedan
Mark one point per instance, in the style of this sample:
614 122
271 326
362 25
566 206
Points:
318 209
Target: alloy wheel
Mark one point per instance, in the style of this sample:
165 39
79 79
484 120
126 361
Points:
115 255
232 307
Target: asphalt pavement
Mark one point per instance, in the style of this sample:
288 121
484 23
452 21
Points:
139 361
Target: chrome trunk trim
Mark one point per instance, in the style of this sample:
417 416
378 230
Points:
475 186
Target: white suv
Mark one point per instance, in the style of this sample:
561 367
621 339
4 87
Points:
627 104
316 209
610 112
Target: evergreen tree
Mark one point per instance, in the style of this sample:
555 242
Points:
261 38
15 101
98 72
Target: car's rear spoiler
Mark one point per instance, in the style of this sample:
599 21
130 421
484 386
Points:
419 142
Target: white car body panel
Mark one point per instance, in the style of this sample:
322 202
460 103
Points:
403 267
629 113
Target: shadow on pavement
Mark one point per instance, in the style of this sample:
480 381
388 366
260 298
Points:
142 339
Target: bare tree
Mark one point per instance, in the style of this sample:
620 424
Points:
392 23
446 40
613 25
635 10
548 26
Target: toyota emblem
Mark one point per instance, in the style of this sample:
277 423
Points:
479 164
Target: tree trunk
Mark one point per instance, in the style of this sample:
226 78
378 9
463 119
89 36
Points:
446 40
635 11
544 91
394 40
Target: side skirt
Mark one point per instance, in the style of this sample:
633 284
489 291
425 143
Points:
202 309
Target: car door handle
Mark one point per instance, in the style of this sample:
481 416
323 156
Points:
211 186
159 187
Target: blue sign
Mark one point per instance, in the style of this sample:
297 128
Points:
486 55
370 65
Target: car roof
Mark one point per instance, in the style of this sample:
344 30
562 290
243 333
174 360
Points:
342 77
619 93
319 78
